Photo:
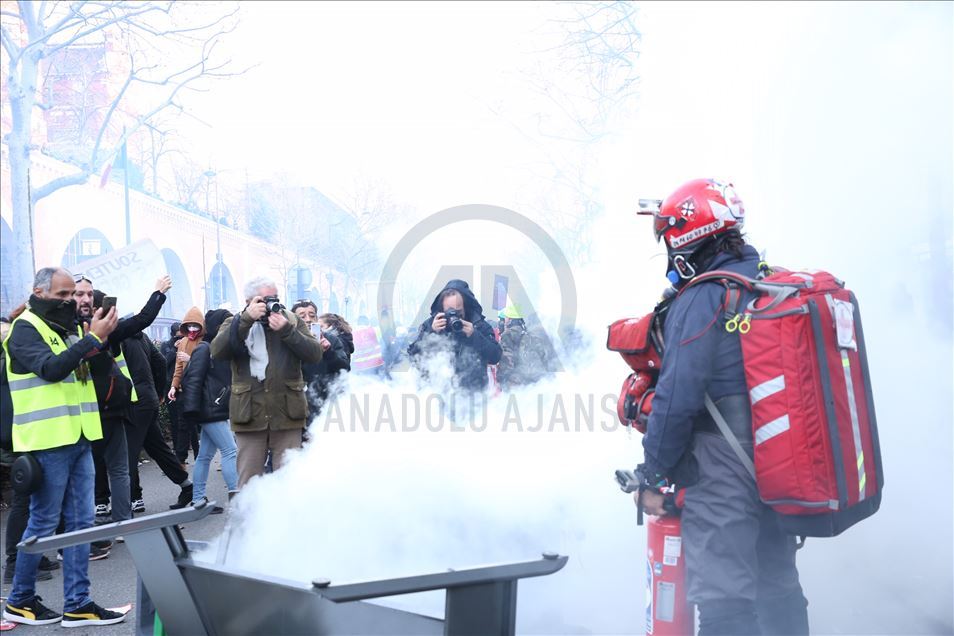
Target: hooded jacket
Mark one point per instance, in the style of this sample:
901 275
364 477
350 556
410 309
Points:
319 376
186 344
700 357
471 354
206 382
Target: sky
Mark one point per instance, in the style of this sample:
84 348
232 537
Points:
834 122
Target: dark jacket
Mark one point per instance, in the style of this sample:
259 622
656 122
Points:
205 387
700 357
319 376
147 368
113 389
6 407
206 383
279 402
471 355
348 341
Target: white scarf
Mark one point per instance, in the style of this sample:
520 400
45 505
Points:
257 351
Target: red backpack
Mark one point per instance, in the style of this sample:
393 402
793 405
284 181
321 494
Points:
817 455
639 341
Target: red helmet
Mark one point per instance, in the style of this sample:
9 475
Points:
697 210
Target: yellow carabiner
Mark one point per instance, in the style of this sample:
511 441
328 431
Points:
746 324
732 324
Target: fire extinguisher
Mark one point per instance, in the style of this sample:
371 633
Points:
668 612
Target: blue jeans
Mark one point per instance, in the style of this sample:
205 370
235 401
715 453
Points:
68 483
215 436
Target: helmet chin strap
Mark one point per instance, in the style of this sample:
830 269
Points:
682 267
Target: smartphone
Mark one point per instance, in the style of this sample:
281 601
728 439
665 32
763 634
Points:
108 303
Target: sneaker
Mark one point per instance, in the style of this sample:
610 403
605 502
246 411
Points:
98 551
47 565
91 614
216 510
31 613
139 505
103 510
185 498
41 574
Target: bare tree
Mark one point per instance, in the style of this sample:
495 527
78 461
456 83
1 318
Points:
590 85
155 142
192 188
370 207
149 37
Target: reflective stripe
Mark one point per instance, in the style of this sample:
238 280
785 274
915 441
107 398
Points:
55 411
831 503
770 387
121 362
30 383
855 426
47 414
770 430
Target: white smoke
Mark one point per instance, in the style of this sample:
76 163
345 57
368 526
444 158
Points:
411 492
843 159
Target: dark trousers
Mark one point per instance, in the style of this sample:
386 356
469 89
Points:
184 433
740 566
142 433
17 517
111 461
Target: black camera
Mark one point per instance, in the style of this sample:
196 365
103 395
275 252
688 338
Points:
455 322
272 306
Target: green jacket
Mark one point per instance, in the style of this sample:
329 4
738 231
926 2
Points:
278 403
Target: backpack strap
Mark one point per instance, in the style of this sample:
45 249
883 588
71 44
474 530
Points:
730 436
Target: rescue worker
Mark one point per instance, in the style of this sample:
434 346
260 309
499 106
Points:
740 566
527 355
55 419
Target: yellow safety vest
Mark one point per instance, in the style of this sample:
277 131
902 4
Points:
50 414
124 369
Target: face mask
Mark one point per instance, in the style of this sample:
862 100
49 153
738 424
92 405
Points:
193 333
59 312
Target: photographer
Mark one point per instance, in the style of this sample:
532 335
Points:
457 321
266 345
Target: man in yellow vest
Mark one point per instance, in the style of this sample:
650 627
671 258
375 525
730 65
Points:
55 417
116 393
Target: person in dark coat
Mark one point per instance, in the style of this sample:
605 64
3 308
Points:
338 326
148 370
471 341
114 395
204 396
183 435
319 375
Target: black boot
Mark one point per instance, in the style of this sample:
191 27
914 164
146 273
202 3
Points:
185 498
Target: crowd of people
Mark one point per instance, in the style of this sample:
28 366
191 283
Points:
82 392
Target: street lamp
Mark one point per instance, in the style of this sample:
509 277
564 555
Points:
218 236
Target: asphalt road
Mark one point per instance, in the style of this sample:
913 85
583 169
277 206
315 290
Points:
114 579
